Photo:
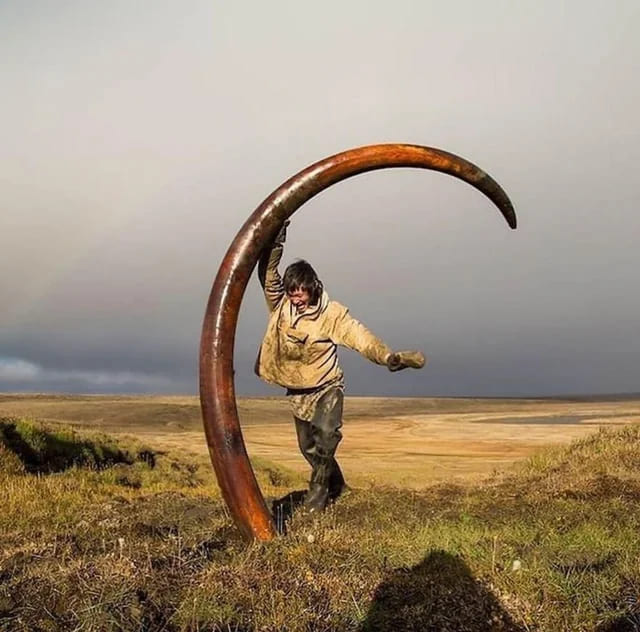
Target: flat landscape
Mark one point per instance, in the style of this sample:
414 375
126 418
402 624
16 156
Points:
408 442
462 515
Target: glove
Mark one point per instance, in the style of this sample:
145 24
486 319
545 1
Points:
405 359
282 235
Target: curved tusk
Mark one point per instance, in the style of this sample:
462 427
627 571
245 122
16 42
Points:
217 394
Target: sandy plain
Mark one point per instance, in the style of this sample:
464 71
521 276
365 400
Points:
408 442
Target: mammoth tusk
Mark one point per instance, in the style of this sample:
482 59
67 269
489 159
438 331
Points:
226 446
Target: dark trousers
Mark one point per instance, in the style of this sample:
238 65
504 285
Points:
318 440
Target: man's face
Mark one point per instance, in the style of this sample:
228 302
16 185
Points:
300 299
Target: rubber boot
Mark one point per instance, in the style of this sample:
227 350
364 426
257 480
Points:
318 494
325 433
337 483
306 444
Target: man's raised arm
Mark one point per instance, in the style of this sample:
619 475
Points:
268 274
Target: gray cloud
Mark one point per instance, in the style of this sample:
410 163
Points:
136 143
21 373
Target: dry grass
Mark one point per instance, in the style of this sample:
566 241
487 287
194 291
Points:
146 543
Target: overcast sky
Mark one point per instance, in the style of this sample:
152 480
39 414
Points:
136 138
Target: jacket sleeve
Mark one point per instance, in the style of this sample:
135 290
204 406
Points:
269 276
351 333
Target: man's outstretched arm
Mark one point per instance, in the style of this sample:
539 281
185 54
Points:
351 333
268 274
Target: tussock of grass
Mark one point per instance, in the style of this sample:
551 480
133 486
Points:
46 449
116 545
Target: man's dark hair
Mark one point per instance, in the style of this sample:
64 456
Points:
301 276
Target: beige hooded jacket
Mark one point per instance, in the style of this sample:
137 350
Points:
299 351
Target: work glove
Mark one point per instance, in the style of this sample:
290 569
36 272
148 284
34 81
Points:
282 235
405 359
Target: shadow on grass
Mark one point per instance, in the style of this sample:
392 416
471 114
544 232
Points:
626 623
438 594
42 451
283 508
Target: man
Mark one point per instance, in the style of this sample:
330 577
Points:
299 352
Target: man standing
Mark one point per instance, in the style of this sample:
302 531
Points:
299 353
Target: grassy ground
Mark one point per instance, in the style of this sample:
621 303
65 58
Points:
106 533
